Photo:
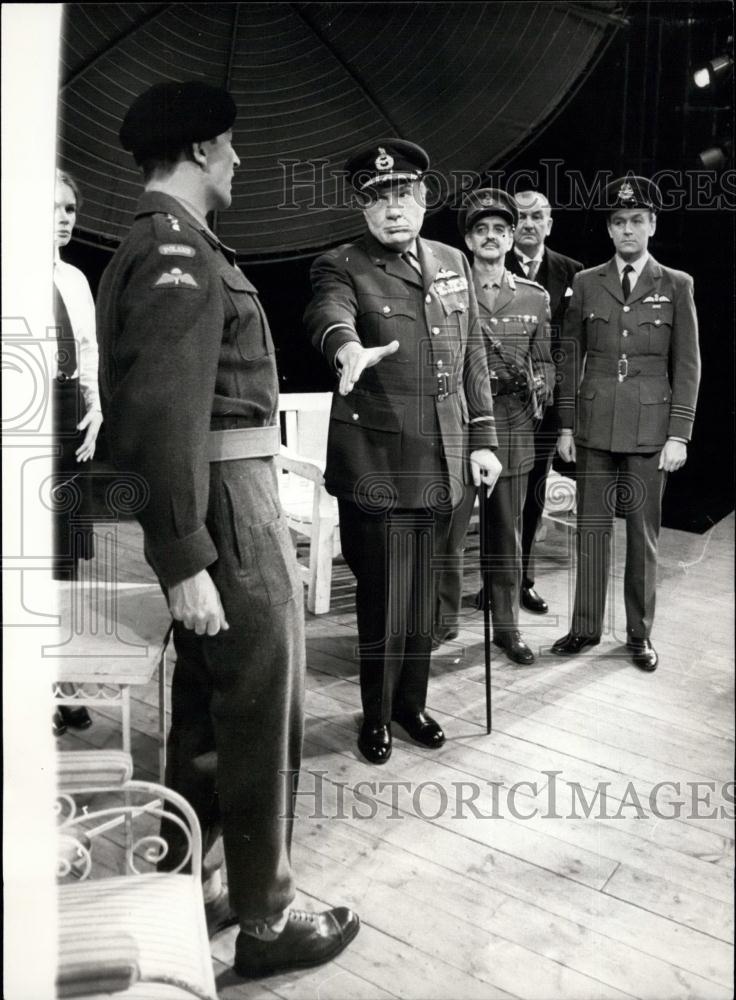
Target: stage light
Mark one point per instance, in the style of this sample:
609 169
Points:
716 157
717 71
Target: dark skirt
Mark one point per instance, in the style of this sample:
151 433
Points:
71 494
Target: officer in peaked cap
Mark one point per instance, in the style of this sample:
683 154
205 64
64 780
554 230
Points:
632 322
390 160
395 316
190 394
514 315
632 192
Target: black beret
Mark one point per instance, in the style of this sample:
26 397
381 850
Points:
632 192
486 201
169 115
386 160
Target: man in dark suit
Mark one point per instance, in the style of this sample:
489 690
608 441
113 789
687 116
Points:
514 315
633 323
532 258
411 422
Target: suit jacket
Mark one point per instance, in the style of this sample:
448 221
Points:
555 274
642 361
402 436
517 338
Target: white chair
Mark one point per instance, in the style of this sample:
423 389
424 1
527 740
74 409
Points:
141 935
309 510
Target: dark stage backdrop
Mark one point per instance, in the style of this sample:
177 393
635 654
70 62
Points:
637 111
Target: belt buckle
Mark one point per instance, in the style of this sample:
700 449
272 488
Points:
623 368
443 385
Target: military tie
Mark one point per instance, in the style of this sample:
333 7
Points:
531 269
626 281
408 257
67 346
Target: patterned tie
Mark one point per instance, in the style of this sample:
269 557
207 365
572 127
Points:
67 346
531 269
626 281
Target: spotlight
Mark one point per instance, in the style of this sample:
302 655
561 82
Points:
716 157
717 70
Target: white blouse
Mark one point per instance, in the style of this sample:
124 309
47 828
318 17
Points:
75 291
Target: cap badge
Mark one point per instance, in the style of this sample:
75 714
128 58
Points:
626 192
486 199
384 161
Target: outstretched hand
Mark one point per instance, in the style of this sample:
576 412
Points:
355 358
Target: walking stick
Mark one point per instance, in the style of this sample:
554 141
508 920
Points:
486 592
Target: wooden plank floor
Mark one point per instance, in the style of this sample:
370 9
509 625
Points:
458 903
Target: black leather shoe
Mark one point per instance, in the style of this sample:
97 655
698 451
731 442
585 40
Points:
514 647
58 724
531 601
422 728
308 939
374 743
443 635
77 718
643 653
219 914
573 643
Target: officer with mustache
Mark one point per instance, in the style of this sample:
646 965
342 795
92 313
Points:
514 314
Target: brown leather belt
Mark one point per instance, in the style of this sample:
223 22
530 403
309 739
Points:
244 442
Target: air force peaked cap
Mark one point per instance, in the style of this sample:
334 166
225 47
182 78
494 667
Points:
632 192
169 115
486 201
384 161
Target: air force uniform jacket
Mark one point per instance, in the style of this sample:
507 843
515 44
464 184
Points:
403 435
640 359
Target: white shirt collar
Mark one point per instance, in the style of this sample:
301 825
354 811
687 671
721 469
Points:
638 265
525 260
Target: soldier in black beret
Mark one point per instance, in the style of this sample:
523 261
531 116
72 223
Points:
515 316
396 317
631 322
190 395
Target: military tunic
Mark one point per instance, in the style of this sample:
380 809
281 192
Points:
185 348
517 337
398 444
641 370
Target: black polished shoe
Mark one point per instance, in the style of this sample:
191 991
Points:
374 743
308 939
219 914
77 718
643 653
421 727
573 643
514 647
531 601
58 724
443 635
